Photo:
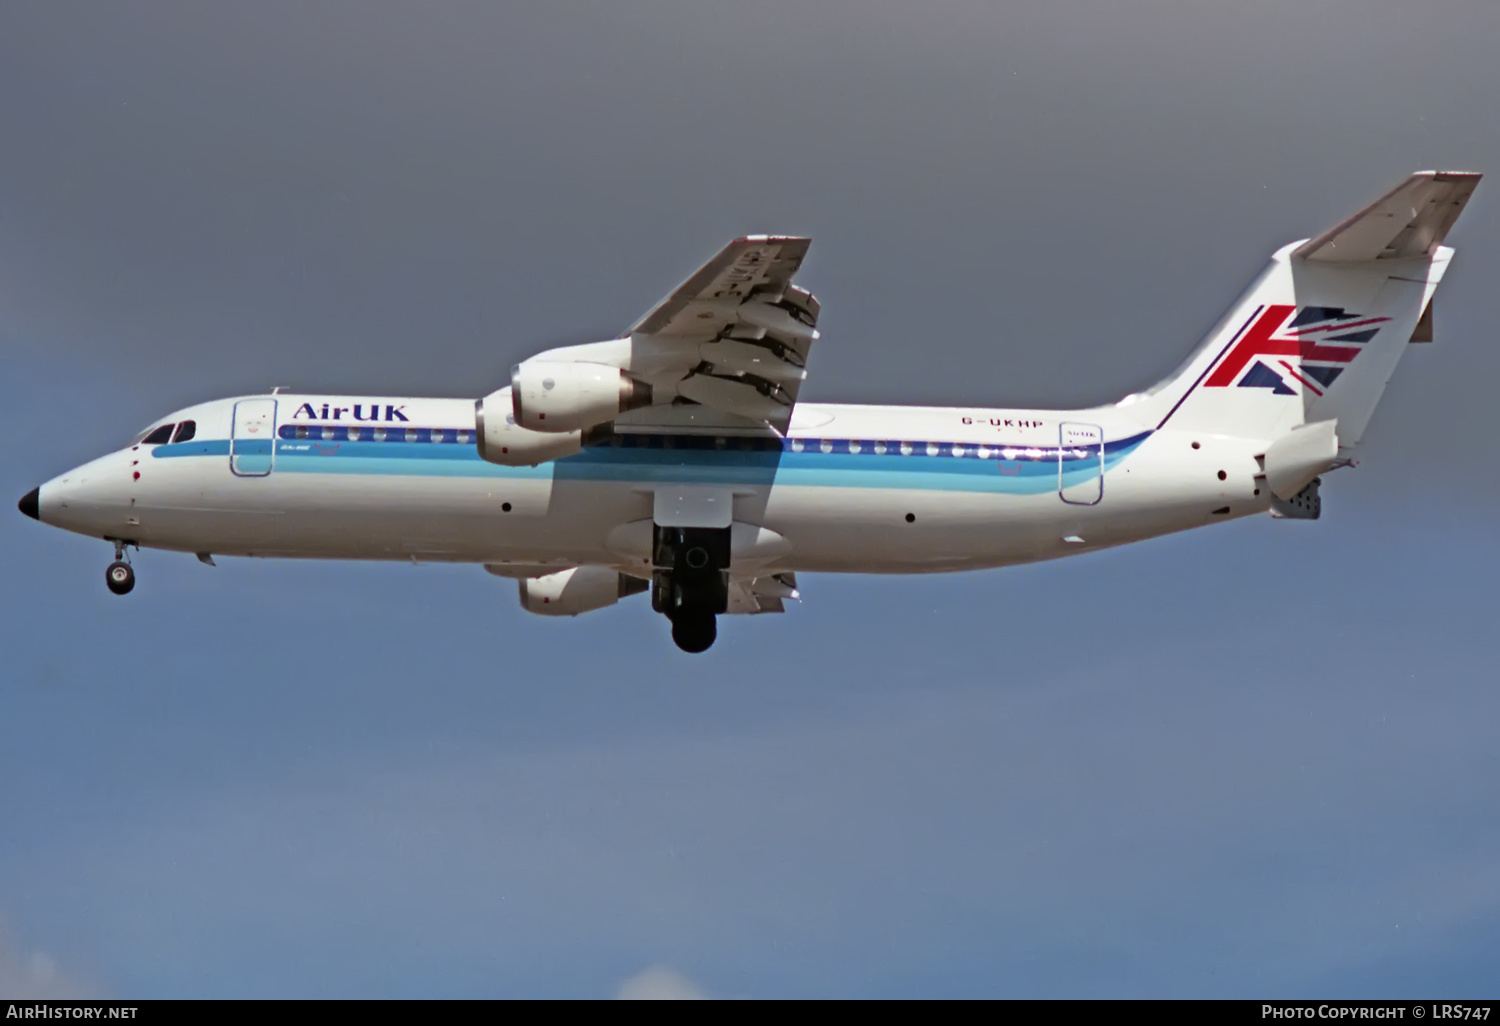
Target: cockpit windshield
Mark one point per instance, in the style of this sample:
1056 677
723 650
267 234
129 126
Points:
159 435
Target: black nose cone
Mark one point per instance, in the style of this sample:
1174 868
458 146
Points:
31 503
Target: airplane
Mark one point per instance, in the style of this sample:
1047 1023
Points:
677 459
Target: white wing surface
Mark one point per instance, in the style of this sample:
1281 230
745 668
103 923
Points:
736 334
754 265
725 351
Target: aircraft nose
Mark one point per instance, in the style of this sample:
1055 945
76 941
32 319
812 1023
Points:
31 504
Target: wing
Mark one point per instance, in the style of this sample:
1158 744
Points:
725 352
754 265
733 338
763 594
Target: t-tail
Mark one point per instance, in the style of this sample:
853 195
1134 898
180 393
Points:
1303 357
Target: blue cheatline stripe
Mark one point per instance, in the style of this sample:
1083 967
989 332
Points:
198 447
847 463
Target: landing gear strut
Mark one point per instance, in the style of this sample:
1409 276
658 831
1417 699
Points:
690 582
119 576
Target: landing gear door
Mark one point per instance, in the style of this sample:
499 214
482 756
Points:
252 437
1080 464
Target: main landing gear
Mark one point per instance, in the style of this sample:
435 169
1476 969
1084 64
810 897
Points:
694 630
120 576
690 582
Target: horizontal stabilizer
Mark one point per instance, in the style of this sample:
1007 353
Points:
1409 221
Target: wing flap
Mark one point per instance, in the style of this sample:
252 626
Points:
733 338
763 594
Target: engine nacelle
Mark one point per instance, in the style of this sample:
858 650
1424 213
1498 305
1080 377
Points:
558 396
580 590
501 440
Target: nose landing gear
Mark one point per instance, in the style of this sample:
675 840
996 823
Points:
119 576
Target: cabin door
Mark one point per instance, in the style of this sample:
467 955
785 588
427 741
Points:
252 438
1080 464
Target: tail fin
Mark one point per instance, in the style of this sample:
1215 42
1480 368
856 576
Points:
1319 334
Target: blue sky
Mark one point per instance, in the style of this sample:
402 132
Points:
1257 760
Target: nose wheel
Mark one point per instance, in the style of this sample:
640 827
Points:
119 576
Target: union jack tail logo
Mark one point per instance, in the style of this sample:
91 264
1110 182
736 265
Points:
1312 348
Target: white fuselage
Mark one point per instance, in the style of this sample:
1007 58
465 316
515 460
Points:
679 457
863 489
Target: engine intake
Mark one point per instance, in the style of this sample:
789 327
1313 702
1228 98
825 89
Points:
501 440
557 397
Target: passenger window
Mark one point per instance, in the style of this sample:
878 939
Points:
161 436
185 431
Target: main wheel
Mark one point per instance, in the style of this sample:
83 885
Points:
120 577
694 631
